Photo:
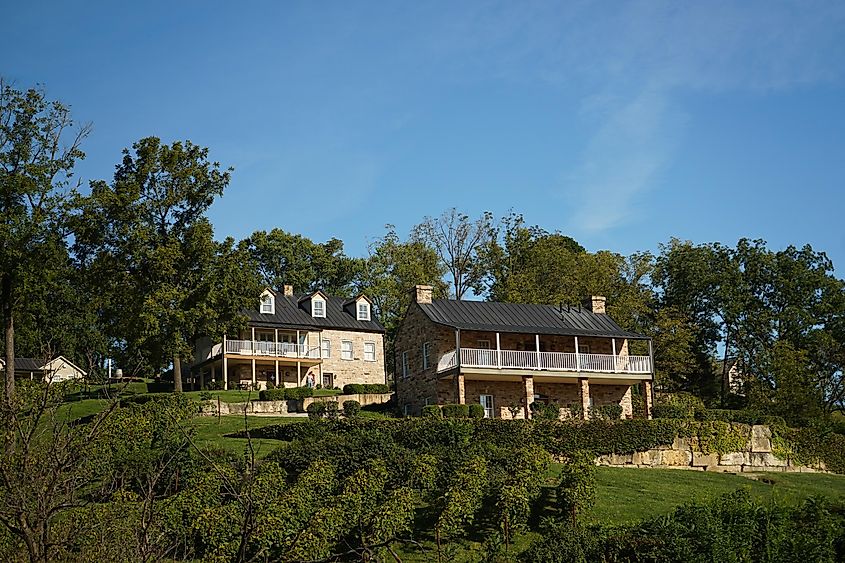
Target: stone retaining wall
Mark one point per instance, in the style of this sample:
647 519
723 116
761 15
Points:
757 456
214 408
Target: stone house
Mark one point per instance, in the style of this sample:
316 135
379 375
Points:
295 340
508 355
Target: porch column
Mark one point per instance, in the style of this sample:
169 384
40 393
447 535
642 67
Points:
277 373
615 360
577 356
252 343
460 395
202 379
584 383
213 372
458 348
298 348
650 357
225 373
298 374
537 346
498 352
276 351
528 382
647 391
254 381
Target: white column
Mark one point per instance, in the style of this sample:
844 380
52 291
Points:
276 351
577 356
498 352
650 356
225 373
615 360
253 373
458 348
253 345
298 349
298 374
277 373
537 345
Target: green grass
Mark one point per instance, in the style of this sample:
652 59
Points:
211 431
627 495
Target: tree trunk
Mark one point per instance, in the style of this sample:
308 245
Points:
9 332
177 374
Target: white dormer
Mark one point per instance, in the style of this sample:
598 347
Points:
268 303
318 307
363 309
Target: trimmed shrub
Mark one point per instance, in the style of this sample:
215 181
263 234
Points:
316 410
541 411
298 393
332 410
214 386
476 410
455 411
606 412
205 396
351 409
277 394
365 388
432 411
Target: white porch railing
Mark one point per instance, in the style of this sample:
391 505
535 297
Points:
552 361
272 349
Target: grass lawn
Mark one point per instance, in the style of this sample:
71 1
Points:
210 432
627 495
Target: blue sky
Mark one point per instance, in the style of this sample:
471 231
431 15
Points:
620 124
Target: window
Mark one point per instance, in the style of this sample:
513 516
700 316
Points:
346 350
363 311
487 402
327 348
267 305
404 365
328 380
584 348
406 409
369 351
318 308
426 350
484 344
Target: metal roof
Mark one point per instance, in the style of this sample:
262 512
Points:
523 318
290 313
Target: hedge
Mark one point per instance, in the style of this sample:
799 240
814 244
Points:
476 410
285 394
455 411
277 394
351 409
432 411
365 388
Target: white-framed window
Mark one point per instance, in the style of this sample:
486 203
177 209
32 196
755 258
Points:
326 345
406 409
405 370
484 344
267 304
584 348
487 402
369 351
318 307
363 311
345 349
426 350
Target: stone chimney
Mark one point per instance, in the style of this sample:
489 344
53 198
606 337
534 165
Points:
288 291
422 293
596 304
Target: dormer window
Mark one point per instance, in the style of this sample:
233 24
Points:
318 308
363 311
268 304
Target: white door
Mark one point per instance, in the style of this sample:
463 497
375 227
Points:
487 402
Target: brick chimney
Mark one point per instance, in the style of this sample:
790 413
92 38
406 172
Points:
596 304
422 293
288 290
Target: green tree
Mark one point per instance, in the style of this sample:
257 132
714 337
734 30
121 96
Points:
576 490
39 145
147 235
285 258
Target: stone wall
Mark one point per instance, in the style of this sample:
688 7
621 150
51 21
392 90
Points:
757 456
363 398
356 370
213 408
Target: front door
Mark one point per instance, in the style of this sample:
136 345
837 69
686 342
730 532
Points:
487 403
328 380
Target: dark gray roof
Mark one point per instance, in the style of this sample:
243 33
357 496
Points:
523 318
28 364
292 314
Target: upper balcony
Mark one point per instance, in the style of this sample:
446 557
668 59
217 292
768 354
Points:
260 348
548 361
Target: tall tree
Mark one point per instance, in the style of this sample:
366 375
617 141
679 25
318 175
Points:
458 241
147 231
286 258
39 146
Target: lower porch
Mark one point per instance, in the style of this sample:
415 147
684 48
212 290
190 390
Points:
258 373
511 397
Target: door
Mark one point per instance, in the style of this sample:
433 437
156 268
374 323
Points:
487 402
328 380
486 356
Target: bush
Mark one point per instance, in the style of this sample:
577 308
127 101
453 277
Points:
298 393
455 411
677 405
214 386
476 410
351 409
316 410
332 410
205 396
365 388
542 411
432 411
606 412
277 394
